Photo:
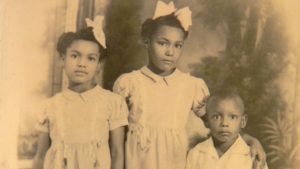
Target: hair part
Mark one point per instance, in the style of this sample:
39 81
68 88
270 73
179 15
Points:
150 26
66 40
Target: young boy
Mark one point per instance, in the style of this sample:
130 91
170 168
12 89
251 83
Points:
225 149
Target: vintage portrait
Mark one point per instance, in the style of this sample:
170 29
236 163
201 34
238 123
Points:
149 84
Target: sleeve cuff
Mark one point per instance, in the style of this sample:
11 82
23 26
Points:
118 123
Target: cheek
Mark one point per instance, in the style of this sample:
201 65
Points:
213 124
241 124
95 66
67 64
154 47
154 56
236 125
177 54
98 68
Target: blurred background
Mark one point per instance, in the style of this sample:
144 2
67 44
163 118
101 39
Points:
252 45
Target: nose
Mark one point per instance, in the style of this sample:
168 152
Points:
81 62
224 122
170 50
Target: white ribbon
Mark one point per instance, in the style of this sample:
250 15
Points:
97 26
163 9
184 15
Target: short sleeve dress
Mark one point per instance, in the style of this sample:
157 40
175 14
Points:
158 111
79 125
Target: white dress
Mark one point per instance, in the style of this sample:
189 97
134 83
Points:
79 125
159 109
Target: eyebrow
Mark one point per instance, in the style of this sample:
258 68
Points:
73 50
163 38
233 112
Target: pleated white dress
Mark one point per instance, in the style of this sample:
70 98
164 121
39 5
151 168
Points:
79 125
158 111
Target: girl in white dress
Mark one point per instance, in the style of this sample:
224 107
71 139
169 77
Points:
82 127
160 96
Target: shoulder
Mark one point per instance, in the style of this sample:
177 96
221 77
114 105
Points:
127 77
200 85
197 84
197 80
108 95
198 152
203 146
126 82
50 105
55 99
191 78
240 146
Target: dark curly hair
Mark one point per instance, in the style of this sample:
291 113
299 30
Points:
66 39
222 94
150 26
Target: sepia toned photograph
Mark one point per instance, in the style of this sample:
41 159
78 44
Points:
149 84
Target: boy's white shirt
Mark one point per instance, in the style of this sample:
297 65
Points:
204 156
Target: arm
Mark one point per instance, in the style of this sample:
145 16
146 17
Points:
257 151
117 139
43 145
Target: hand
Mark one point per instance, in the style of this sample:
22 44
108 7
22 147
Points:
199 109
258 156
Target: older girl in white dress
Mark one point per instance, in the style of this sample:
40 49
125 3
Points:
78 123
160 96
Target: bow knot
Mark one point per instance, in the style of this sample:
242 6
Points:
184 15
97 26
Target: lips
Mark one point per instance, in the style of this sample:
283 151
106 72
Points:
80 72
224 133
169 62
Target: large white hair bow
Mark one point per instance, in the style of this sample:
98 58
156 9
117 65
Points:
184 15
97 26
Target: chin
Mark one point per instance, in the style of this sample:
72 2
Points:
79 81
168 68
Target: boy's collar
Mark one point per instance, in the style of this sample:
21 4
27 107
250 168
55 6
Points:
238 147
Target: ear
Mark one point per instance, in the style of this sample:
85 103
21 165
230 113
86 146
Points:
146 42
204 118
99 66
62 59
244 121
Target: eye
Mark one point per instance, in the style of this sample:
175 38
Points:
92 58
162 43
178 46
216 116
74 55
233 117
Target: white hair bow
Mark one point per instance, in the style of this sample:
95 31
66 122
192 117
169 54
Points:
97 26
184 15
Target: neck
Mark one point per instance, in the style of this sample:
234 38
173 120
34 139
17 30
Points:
159 72
222 147
79 88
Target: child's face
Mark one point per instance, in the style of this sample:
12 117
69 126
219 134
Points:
81 62
225 120
164 48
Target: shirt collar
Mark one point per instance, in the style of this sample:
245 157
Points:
157 79
238 147
71 95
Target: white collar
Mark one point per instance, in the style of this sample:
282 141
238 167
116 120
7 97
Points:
238 147
85 96
157 79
